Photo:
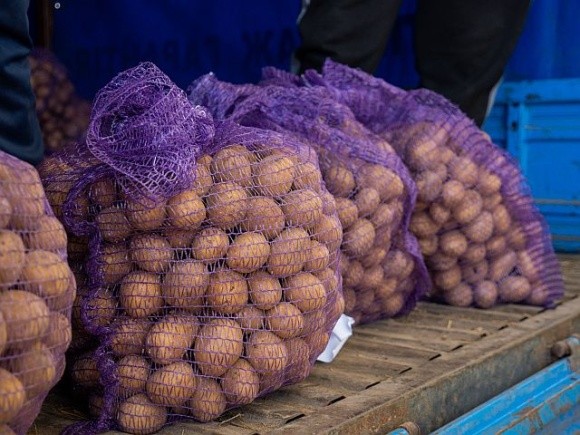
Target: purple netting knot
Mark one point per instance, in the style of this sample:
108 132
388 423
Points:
143 127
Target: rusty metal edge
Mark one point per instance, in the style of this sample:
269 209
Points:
471 376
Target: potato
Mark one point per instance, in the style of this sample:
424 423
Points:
469 208
218 346
495 246
328 230
48 235
95 404
317 257
274 175
185 210
347 211
422 154
385 215
302 208
227 292
474 254
429 186
328 202
233 163
263 215
171 385
100 308
227 205
485 294
12 258
441 262
210 245
393 305
491 202
429 245
128 336
339 179
248 252
317 342
452 193
502 265
241 383
185 285
398 264
514 289
374 256
359 238
103 192
36 369
439 213
26 209
208 400
169 338
287 252
45 274
26 315
441 171
203 179
459 296
386 289
5 211
453 243
448 279
481 228
58 336
516 238
367 201
113 224
307 176
138 415
114 262
501 219
140 294
372 278
383 180
132 372
178 239
539 295
349 300
474 273
285 320
527 265
305 291
266 352
6 430
12 396
151 252
250 318
464 170
84 372
422 225
265 290
145 214
488 183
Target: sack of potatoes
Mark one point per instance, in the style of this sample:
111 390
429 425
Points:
62 114
381 265
212 259
37 290
483 239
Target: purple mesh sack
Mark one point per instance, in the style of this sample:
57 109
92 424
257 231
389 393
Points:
37 291
212 258
62 114
483 239
383 272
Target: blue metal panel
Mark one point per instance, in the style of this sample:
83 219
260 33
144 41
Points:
548 402
539 123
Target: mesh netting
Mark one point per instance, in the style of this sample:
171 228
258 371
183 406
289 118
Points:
383 272
483 239
212 258
37 290
62 114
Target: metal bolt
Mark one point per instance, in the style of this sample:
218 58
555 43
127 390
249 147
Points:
411 427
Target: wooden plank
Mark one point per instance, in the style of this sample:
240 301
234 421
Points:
403 355
457 324
469 313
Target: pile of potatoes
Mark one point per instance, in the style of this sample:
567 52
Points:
37 290
377 269
62 115
476 251
212 297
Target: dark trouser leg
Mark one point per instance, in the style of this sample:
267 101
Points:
463 46
19 130
352 32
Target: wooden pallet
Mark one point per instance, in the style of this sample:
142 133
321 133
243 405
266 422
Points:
429 368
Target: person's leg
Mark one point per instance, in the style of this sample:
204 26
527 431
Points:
19 129
463 46
352 32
